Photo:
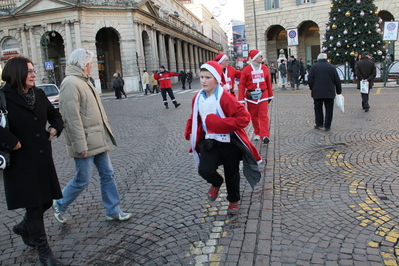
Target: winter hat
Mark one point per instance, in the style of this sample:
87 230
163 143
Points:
162 67
220 58
215 69
253 54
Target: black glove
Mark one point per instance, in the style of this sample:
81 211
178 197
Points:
269 100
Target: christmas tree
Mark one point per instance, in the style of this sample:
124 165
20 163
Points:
354 26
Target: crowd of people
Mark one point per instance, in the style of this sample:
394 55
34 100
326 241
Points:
215 129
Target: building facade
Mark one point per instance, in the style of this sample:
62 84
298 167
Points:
268 21
126 37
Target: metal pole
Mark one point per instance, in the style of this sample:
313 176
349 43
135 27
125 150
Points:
256 35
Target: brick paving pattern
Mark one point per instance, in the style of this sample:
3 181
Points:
326 198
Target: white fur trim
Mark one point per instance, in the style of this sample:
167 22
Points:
222 59
213 72
256 56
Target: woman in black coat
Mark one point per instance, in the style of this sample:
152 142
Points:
31 181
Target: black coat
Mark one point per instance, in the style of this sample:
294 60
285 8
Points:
31 180
324 81
365 69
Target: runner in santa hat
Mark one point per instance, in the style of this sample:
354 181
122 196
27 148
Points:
216 130
229 73
256 90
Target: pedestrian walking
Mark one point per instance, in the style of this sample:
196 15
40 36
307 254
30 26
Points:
31 181
366 72
273 72
183 77
229 73
302 72
189 79
154 82
123 85
294 69
256 90
216 130
88 138
165 85
117 85
146 81
324 84
283 73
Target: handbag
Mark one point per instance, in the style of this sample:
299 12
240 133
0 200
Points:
364 86
4 154
339 101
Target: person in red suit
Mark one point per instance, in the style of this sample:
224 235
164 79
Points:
165 85
216 130
256 90
229 73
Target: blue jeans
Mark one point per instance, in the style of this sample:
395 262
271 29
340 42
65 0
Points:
283 80
84 173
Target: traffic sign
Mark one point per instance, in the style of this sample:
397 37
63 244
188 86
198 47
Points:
48 65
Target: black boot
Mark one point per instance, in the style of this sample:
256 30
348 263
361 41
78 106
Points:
166 105
22 230
38 234
176 104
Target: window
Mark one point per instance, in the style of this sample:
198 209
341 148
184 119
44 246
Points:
270 4
300 2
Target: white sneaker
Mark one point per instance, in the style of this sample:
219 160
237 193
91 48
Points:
119 217
59 215
257 137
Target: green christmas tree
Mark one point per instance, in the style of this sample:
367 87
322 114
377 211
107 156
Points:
354 26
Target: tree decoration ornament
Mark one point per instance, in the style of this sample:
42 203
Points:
337 54
334 18
365 24
358 1
379 52
347 13
354 24
327 28
352 53
334 26
331 38
339 44
354 45
355 33
363 43
377 25
332 6
345 31
362 13
378 30
377 12
372 45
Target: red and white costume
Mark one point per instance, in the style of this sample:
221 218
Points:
229 74
164 79
257 77
233 119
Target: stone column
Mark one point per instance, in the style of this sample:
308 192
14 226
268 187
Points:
186 59
179 55
68 42
25 49
154 48
192 61
33 46
162 51
78 40
172 54
196 62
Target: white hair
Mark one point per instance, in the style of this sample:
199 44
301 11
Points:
322 56
80 58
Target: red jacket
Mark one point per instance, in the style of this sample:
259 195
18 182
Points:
164 79
246 85
236 119
232 73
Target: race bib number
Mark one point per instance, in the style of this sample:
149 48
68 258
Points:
219 137
257 76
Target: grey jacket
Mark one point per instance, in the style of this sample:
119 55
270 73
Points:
86 124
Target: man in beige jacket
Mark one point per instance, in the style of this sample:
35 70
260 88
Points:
146 82
88 138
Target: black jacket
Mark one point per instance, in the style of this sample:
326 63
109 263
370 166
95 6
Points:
324 81
31 180
365 69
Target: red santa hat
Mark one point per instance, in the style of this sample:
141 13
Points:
220 58
215 69
253 54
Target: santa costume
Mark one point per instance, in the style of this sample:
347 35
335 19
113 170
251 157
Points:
216 130
255 88
230 74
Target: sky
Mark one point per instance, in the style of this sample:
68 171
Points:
232 9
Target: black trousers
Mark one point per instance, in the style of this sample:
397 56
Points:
213 154
171 95
365 100
320 119
274 77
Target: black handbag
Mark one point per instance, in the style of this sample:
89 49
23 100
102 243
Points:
4 154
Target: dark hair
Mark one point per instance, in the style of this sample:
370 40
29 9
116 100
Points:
15 72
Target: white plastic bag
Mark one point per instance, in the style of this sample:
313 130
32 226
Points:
339 101
364 86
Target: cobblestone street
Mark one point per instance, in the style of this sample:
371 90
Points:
325 197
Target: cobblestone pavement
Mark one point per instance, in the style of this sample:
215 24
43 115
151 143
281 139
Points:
326 197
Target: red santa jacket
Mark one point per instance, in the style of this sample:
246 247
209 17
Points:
247 85
164 79
233 118
228 78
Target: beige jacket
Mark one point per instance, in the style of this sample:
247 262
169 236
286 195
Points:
86 124
146 78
